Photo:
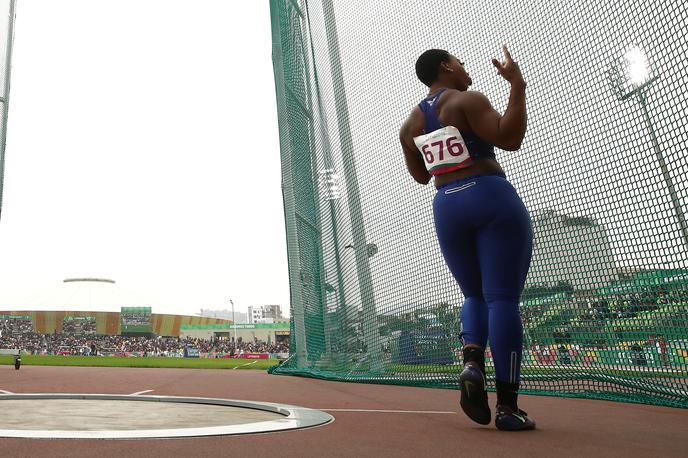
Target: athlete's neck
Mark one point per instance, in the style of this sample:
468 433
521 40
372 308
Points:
435 88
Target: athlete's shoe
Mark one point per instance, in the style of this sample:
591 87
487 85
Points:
509 420
473 394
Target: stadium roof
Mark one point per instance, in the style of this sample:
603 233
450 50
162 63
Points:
83 294
651 279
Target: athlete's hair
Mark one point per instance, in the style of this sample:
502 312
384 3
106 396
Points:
428 65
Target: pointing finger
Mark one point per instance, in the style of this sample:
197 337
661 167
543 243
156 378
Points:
506 53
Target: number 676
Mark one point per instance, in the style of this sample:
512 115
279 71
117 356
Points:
453 146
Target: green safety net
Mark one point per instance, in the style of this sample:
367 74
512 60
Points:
602 171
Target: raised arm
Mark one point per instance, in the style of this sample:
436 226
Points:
504 131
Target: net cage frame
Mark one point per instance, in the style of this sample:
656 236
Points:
601 171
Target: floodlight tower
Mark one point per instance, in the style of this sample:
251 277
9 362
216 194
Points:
630 76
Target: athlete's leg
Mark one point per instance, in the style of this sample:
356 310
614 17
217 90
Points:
457 238
505 248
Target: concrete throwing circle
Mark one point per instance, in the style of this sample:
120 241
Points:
108 416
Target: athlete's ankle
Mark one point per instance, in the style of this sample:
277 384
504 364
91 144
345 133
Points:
475 354
507 394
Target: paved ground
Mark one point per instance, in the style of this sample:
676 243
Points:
370 420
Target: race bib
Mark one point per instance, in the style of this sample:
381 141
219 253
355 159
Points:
443 150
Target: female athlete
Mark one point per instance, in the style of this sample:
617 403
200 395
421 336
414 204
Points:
483 228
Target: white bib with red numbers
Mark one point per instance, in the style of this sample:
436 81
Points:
443 150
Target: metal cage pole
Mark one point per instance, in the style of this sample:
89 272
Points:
370 325
330 196
298 341
6 92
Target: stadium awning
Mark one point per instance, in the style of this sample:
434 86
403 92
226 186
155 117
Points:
650 279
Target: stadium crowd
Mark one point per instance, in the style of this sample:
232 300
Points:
19 334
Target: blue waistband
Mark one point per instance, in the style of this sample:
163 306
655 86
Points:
461 181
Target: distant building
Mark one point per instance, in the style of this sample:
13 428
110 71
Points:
628 272
254 314
573 250
106 323
271 333
265 314
239 317
272 311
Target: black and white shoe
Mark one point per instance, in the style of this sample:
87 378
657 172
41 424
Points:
508 419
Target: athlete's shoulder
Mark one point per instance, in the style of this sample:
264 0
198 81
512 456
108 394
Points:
413 118
475 97
466 101
456 95
453 98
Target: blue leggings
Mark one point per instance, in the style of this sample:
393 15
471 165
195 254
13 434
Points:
486 237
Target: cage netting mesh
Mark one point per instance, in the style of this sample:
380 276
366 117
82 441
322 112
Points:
602 171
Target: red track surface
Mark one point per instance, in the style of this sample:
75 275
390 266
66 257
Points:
567 427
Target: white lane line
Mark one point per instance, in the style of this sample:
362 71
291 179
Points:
247 364
140 392
387 411
6 392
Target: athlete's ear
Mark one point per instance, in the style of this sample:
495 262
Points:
447 67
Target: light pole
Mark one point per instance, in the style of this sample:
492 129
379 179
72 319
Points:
233 322
630 76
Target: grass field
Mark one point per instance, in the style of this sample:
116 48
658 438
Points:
264 364
112 361
559 370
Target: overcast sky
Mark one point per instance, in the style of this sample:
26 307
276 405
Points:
133 127
143 147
